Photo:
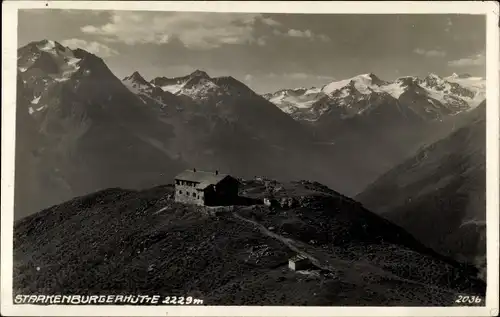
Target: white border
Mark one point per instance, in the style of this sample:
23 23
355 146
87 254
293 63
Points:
9 51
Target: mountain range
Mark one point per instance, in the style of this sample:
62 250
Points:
432 97
81 129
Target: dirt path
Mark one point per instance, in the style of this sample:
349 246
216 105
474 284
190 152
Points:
350 269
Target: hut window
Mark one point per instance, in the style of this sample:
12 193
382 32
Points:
194 194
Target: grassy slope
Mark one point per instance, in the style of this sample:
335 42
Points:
118 241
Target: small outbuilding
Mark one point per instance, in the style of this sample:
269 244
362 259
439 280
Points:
270 202
299 262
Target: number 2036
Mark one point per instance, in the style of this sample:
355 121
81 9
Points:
468 299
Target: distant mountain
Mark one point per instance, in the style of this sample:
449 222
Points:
432 97
119 241
80 129
439 194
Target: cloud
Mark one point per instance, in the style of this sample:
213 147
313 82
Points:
269 21
306 34
93 47
299 33
478 59
324 38
429 53
248 77
196 30
261 41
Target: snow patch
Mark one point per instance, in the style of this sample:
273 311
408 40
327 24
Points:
23 69
30 110
36 100
61 79
201 90
172 88
334 86
301 101
49 45
394 89
363 83
162 209
70 70
312 91
473 222
72 61
437 95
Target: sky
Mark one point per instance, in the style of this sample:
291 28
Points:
267 52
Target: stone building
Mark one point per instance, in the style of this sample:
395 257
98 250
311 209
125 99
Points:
206 188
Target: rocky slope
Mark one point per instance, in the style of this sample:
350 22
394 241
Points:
441 193
122 241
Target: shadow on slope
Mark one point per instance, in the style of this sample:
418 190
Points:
440 193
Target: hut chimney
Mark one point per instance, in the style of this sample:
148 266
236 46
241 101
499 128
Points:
194 170
216 172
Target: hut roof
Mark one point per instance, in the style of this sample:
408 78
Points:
204 179
298 257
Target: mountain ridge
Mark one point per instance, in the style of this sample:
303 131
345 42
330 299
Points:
441 192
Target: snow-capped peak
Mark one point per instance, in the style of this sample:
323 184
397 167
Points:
137 84
46 45
432 75
433 80
51 47
57 62
364 83
199 73
137 78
